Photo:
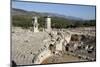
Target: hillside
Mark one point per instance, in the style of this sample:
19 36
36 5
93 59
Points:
22 18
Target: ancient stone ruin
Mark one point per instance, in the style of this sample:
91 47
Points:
35 24
52 45
47 23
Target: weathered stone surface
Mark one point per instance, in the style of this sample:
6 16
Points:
77 44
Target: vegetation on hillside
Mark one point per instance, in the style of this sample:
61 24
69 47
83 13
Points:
25 21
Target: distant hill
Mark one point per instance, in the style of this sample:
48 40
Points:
22 12
23 19
16 11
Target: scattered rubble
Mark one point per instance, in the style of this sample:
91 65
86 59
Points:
31 46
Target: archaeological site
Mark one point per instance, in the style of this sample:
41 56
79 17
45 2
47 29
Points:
47 41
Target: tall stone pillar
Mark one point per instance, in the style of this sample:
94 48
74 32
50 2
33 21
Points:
35 24
48 23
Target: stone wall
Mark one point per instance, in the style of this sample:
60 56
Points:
42 56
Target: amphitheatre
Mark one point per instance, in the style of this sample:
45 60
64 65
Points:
32 46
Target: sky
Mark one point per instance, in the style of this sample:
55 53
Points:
79 11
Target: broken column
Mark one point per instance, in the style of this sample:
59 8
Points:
35 24
48 23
